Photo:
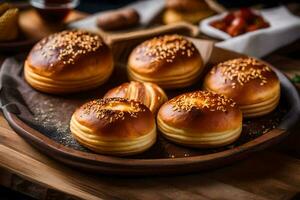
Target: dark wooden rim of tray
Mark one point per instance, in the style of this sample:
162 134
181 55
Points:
129 166
18 45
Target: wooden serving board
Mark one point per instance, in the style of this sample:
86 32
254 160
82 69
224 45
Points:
20 101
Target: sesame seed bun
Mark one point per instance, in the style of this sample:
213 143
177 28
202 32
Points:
170 61
171 16
200 119
187 5
114 126
149 94
186 10
69 61
249 82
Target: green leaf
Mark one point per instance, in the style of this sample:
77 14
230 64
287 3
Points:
296 78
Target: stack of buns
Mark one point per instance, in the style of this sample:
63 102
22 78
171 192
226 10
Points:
186 10
123 122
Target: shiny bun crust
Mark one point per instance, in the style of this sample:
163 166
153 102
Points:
200 119
187 5
68 61
186 10
114 126
171 16
249 82
149 94
171 61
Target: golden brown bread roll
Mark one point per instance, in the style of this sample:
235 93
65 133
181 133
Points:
114 126
187 5
249 82
69 61
173 16
186 10
9 26
200 119
118 19
149 94
170 61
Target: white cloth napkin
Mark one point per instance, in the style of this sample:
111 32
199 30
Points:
284 29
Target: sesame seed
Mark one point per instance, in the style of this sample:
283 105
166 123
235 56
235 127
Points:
69 45
104 109
243 70
201 100
166 48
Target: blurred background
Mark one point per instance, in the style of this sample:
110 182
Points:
93 6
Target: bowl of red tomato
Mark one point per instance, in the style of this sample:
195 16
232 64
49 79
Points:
234 23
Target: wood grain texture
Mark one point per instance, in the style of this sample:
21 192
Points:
254 178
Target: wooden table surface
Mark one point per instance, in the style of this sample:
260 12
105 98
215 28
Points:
270 174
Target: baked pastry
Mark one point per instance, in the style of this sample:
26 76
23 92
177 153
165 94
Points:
118 19
186 10
149 94
253 85
170 61
114 126
200 119
69 61
186 5
9 26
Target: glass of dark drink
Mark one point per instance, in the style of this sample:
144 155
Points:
54 11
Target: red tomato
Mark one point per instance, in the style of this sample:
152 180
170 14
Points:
252 27
266 25
228 18
221 25
237 27
245 13
238 22
255 27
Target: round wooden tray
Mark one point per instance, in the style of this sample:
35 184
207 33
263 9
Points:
165 157
19 45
